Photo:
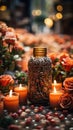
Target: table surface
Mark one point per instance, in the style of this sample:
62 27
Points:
31 117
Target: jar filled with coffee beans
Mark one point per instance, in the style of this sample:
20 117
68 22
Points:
39 76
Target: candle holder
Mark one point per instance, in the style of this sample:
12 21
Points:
11 103
22 90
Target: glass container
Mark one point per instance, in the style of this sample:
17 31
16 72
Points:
39 76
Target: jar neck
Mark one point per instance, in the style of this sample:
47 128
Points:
39 52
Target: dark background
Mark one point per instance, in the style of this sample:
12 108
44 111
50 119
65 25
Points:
20 14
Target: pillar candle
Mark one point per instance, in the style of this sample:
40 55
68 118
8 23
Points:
11 101
54 97
22 90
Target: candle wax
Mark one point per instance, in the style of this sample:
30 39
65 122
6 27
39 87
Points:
11 103
54 98
22 94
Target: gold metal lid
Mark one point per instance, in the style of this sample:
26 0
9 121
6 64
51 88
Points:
39 51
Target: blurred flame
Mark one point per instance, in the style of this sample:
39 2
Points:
55 82
55 90
3 8
20 86
59 15
10 93
59 8
48 22
37 12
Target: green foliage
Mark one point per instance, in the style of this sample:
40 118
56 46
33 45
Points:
5 121
58 72
7 60
21 77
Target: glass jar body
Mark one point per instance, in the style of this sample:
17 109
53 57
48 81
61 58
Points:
39 79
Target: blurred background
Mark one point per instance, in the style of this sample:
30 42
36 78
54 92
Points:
38 15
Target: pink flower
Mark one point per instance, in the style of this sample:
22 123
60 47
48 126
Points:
10 36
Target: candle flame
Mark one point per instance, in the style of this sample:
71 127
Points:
20 86
55 90
10 94
55 82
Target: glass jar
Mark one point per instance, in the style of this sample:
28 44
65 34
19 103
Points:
39 77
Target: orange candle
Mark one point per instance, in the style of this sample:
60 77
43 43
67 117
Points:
1 107
54 97
22 90
11 101
58 86
1 104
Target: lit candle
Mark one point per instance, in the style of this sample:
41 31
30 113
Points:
11 101
22 90
58 86
54 97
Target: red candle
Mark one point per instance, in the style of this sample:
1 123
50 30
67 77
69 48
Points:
54 97
22 90
11 101
58 86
